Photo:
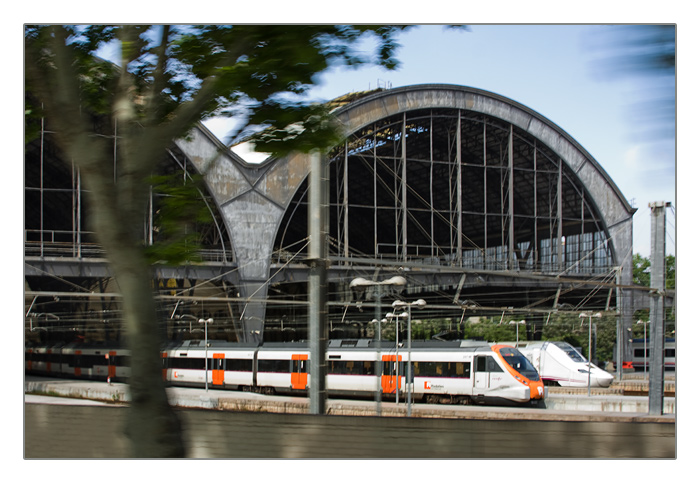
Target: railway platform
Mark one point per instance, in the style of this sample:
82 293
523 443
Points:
564 406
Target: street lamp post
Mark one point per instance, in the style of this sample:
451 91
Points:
206 322
394 315
645 346
420 303
589 315
517 324
364 284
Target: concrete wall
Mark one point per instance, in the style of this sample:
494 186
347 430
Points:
96 432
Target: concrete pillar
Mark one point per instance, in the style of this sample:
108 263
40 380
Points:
656 309
319 184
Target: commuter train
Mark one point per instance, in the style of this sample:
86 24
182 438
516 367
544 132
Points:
640 359
559 363
460 372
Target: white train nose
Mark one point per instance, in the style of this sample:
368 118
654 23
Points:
603 378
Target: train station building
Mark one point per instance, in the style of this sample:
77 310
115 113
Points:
481 205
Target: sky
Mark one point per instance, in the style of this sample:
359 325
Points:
557 71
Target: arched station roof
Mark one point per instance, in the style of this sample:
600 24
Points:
519 194
431 176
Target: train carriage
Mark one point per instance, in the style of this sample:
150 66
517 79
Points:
641 354
441 374
79 361
352 367
229 366
282 368
445 371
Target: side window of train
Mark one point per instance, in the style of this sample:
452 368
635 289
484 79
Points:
492 366
487 364
299 366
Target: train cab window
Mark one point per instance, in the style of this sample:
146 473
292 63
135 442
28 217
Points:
570 351
515 359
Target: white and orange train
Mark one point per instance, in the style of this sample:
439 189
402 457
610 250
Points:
461 372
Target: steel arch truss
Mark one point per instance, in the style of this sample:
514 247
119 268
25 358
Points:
453 188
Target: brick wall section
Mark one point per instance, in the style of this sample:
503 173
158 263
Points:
96 432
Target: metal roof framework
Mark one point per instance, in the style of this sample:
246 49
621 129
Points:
483 204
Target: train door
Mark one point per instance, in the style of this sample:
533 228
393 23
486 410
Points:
111 367
390 374
76 364
484 368
300 371
217 370
164 358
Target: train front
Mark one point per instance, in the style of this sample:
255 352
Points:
522 370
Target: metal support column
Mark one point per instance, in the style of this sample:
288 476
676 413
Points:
346 205
560 219
404 189
511 204
460 228
318 289
486 202
434 249
656 309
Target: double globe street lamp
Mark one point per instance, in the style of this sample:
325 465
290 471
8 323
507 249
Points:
400 304
361 284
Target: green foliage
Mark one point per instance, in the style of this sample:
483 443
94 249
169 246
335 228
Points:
641 267
642 276
492 331
670 272
640 270
178 208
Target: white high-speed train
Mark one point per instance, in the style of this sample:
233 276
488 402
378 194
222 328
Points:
559 363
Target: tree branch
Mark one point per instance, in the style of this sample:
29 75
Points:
159 83
190 112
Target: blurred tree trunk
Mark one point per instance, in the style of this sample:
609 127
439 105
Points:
117 216
115 124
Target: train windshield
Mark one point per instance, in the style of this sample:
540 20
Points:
570 351
519 362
